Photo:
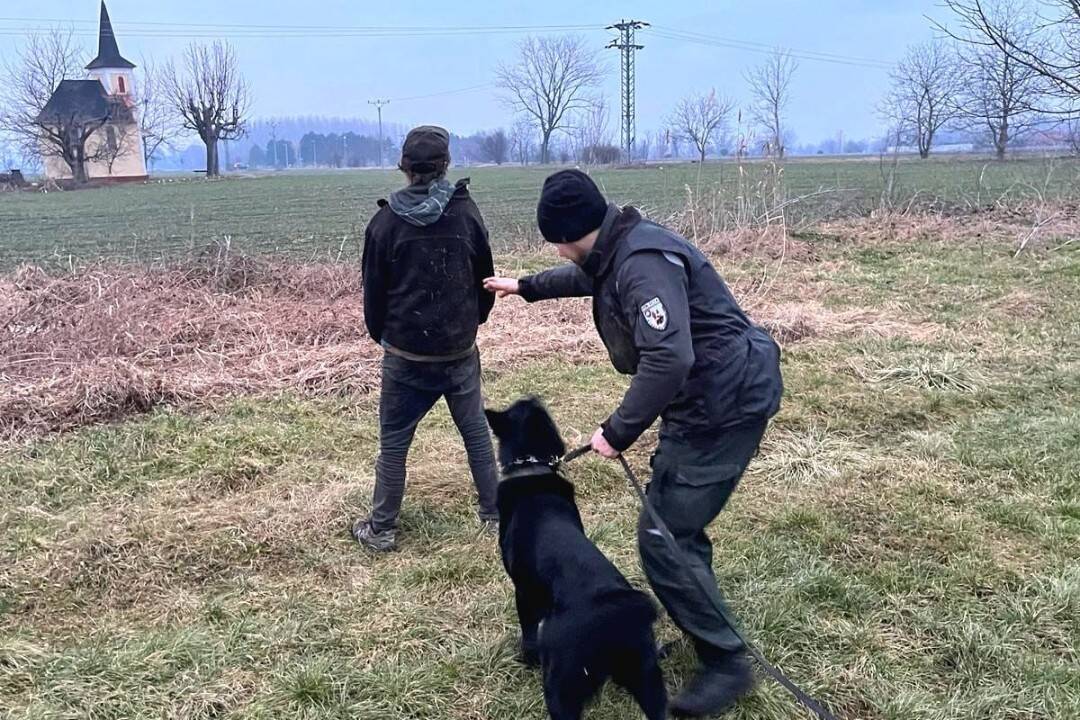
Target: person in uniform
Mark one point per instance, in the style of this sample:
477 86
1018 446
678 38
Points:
700 365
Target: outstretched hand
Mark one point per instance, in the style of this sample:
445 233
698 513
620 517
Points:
501 286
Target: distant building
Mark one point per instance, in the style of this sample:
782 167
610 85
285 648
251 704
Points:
107 95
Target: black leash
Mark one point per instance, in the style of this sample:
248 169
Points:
812 704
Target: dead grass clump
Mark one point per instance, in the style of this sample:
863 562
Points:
1023 224
106 341
792 322
769 243
947 372
99 391
1022 305
812 456
520 331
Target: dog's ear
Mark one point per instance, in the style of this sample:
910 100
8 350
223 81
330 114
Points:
497 420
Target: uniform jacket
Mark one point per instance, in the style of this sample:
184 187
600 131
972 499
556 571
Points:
667 318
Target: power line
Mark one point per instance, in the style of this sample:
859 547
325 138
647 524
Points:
205 30
763 48
459 91
165 30
150 35
135 23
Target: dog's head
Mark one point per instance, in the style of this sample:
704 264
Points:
526 431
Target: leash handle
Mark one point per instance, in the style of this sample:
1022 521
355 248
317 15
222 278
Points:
577 452
673 546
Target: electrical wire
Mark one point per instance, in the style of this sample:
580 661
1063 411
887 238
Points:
762 48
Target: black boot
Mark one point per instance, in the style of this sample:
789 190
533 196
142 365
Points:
721 680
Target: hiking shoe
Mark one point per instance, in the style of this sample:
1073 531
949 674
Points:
714 689
378 541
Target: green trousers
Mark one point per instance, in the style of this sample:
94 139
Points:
691 483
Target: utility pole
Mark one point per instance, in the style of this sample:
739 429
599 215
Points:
379 106
273 141
627 47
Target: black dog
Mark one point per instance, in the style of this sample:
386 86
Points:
579 616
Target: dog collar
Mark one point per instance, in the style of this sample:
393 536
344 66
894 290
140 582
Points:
530 465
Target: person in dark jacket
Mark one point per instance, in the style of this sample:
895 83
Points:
699 364
426 253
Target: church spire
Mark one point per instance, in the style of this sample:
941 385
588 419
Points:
108 53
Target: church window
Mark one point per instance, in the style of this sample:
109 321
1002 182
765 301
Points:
121 85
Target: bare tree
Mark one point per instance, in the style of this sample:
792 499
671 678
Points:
114 144
1000 95
157 121
1053 51
495 146
923 100
770 87
1072 134
211 97
550 81
701 119
674 143
590 132
744 136
29 79
521 139
644 145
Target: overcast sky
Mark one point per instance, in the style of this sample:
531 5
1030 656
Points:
305 74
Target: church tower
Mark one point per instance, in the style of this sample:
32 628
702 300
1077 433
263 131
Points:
106 102
110 67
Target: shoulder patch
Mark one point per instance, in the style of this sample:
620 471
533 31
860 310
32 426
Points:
655 314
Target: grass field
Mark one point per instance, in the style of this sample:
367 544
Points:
322 215
906 546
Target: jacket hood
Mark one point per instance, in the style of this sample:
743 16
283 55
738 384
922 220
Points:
424 204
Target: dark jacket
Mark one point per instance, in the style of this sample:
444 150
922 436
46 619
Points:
667 318
423 284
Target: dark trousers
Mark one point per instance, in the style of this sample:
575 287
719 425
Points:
690 485
409 390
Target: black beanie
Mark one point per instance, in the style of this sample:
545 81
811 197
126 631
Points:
571 207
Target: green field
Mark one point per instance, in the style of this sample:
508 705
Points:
322 215
906 546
